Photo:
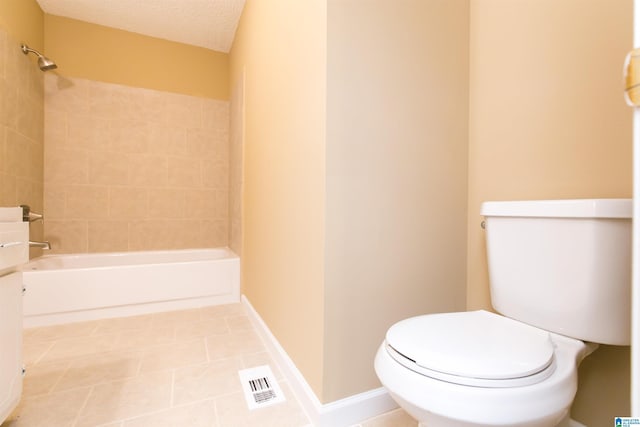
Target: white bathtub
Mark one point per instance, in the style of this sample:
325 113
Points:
70 288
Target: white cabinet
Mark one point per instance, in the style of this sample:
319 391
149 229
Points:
14 251
10 342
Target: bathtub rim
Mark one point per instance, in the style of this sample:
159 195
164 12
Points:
32 266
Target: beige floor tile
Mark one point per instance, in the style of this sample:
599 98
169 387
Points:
42 377
233 411
206 381
144 338
397 418
174 319
33 351
119 400
202 328
223 310
239 323
234 344
67 348
174 355
201 414
168 369
98 369
69 330
120 324
59 410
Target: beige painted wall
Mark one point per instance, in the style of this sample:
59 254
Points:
21 110
397 99
105 54
23 20
548 120
281 46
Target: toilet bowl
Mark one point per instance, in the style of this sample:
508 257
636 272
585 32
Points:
556 267
501 372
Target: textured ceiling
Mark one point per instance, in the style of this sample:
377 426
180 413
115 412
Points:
205 23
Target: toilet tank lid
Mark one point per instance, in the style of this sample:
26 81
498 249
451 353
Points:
568 208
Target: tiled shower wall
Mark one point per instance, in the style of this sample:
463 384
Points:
236 124
133 169
21 134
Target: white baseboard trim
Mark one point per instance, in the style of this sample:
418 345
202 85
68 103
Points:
340 413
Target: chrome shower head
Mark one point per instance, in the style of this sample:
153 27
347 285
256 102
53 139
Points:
44 63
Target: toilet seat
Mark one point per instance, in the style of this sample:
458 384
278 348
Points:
476 348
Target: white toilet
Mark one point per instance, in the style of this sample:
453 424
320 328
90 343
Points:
560 277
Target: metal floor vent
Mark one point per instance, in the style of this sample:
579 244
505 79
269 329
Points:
260 387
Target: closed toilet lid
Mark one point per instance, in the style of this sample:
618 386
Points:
477 345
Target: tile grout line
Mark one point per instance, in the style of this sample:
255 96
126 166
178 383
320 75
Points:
39 359
173 385
55 384
84 405
206 349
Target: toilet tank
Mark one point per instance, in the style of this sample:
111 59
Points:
563 265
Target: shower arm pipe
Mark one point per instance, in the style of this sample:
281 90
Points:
26 49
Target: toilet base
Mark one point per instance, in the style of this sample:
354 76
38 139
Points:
566 422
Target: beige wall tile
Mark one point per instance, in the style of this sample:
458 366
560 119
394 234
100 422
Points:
8 190
55 128
9 99
215 114
215 174
29 192
183 110
199 142
142 154
30 117
128 203
129 136
167 203
200 203
20 155
108 236
55 196
168 140
147 170
67 237
64 94
184 172
86 132
108 168
148 234
87 202
214 233
66 166
18 69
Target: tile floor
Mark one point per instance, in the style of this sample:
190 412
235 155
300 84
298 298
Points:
177 369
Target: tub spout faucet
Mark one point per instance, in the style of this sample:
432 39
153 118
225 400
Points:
28 216
42 245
